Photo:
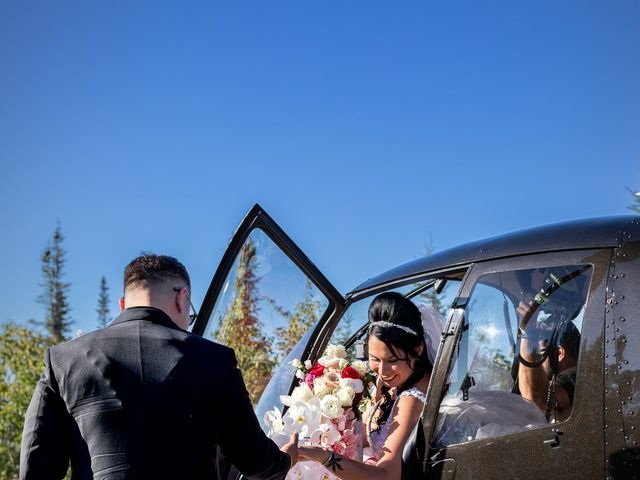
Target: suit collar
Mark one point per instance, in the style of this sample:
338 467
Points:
150 314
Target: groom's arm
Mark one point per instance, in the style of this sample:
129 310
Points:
44 453
242 440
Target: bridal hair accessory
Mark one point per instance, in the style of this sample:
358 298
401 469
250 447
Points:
385 324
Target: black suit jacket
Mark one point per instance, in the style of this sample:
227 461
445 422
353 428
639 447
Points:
143 398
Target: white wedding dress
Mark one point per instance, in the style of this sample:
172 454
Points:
377 437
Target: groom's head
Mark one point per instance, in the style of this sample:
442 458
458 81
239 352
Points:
158 281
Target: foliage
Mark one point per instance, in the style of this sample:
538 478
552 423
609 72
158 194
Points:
241 329
21 354
103 304
635 206
306 313
55 296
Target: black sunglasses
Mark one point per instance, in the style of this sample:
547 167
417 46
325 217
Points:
194 315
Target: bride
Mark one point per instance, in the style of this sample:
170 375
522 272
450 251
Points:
401 356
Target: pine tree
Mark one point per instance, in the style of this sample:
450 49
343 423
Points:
241 328
55 296
103 304
635 206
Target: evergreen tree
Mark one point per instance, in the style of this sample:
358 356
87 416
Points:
241 328
103 304
635 206
306 313
55 296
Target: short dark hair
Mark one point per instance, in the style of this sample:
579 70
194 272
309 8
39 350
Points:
570 340
149 269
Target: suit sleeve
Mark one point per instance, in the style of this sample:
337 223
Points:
243 441
44 453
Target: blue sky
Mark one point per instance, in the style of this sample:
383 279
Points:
365 128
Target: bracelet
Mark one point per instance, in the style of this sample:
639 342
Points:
333 461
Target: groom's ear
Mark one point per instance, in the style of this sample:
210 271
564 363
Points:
419 350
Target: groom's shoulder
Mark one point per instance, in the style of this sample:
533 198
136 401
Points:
209 347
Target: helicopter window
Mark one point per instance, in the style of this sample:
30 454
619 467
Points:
351 330
516 363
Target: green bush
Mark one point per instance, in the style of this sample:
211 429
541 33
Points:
21 364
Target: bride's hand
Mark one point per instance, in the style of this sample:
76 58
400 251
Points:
316 454
291 449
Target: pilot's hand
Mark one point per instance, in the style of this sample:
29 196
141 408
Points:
291 449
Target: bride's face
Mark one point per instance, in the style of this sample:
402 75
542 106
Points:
392 367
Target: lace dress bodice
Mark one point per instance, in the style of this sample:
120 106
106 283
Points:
378 436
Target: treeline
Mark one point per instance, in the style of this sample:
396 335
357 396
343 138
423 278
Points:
22 347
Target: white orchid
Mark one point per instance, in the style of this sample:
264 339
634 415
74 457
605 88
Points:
308 365
296 363
331 406
303 418
273 420
326 435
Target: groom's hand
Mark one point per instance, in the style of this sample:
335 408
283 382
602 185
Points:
291 449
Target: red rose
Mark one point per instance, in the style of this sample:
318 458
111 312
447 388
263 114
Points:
316 371
350 372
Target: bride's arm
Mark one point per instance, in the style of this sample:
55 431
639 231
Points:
403 419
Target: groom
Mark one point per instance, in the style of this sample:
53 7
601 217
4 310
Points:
144 398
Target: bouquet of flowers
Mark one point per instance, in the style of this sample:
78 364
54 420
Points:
325 407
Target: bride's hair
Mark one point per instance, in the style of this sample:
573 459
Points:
396 321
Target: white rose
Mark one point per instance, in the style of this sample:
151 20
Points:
361 367
296 363
336 351
320 387
354 383
331 406
300 375
346 395
302 393
329 361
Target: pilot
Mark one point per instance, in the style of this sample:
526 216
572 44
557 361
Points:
548 365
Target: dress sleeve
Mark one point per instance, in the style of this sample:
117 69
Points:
44 453
242 441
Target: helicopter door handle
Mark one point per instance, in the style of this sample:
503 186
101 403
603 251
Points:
555 441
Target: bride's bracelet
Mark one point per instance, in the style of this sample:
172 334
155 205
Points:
333 461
